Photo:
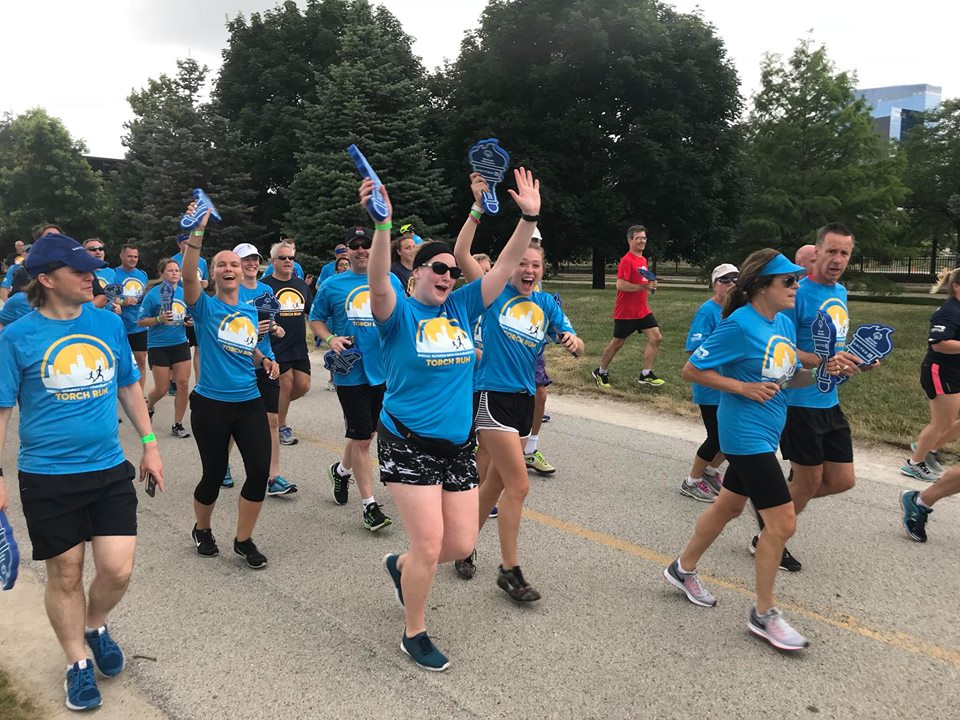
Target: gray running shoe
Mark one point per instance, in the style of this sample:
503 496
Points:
773 627
690 585
700 491
932 460
919 470
714 481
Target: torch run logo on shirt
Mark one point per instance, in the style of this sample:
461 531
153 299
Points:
524 317
441 341
357 307
237 333
779 360
841 319
132 288
78 367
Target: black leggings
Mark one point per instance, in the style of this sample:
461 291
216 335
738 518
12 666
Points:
213 423
711 446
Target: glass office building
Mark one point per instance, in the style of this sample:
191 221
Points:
896 109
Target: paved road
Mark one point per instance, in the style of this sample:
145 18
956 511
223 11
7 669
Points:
315 635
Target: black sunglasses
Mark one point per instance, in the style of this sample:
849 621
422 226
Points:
357 244
95 247
284 257
789 280
440 268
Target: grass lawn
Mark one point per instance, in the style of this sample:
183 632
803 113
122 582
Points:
885 405
12 707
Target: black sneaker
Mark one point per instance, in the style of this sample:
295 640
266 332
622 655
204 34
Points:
248 551
467 567
787 561
651 379
341 485
602 379
177 430
512 582
206 545
373 517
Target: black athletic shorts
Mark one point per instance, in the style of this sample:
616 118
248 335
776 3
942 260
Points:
937 379
138 341
813 436
506 412
65 510
401 462
622 329
361 406
758 477
269 391
169 355
191 335
303 365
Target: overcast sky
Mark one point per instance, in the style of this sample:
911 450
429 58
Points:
80 60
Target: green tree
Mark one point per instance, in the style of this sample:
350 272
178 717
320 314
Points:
268 78
44 178
811 157
176 143
625 110
375 97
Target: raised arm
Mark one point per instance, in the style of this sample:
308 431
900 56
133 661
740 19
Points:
462 251
192 286
527 198
382 296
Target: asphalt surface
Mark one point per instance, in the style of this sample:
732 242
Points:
316 634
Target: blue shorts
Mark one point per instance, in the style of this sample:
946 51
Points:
540 376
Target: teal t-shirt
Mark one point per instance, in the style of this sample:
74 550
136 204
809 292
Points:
247 296
164 335
134 284
201 266
14 309
704 322
66 374
227 336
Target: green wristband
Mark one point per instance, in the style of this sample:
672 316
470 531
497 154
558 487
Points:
148 438
383 226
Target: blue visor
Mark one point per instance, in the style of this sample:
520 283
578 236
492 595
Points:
779 265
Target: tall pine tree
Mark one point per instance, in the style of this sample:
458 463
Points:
375 97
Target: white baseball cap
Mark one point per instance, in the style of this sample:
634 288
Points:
536 234
245 250
721 270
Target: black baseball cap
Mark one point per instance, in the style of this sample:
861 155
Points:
357 231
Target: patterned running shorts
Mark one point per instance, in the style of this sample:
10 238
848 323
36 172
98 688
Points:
401 462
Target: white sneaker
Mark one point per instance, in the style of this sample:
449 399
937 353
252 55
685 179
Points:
773 627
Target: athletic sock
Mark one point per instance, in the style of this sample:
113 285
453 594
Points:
341 470
531 447
367 501
691 481
87 630
922 504
711 471
645 371
680 568
603 370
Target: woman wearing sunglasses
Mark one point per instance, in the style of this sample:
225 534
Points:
424 435
703 482
750 356
514 329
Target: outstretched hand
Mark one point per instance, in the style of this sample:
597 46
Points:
527 194
366 192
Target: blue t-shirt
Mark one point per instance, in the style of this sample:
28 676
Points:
247 296
704 322
515 329
201 266
344 304
811 297
14 309
297 270
327 271
431 355
750 348
227 336
164 335
8 277
134 285
107 276
66 373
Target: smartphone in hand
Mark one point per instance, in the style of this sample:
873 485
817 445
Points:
151 485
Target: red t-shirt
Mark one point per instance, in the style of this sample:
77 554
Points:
631 305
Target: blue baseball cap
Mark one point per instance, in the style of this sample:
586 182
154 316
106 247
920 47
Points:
54 251
779 265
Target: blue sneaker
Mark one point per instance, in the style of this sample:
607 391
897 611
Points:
106 653
227 481
81 686
914 516
279 486
494 513
390 563
422 651
172 390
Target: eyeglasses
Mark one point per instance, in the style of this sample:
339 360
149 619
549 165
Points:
789 280
94 248
357 244
727 280
441 267
284 257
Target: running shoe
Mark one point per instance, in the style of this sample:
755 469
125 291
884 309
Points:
249 552
919 470
423 652
286 435
373 517
330 386
390 563
279 486
172 390
537 462
651 379
787 561
467 567
914 516
206 545
773 627
699 491
341 484
106 653
513 583
545 418
81 686
177 430
227 481
689 584
714 481
603 379
932 460
150 414
494 513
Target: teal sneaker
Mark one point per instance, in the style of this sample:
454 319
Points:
390 563
279 486
227 481
81 686
914 515
423 652
106 653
